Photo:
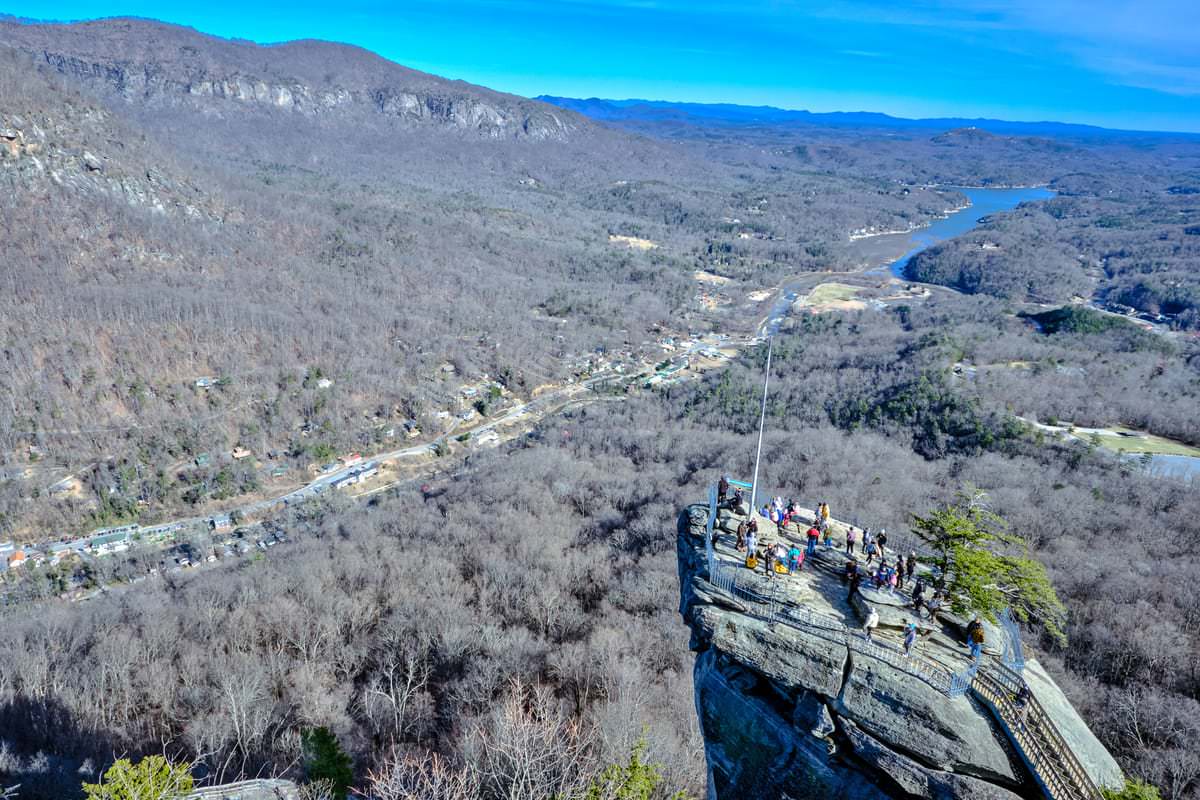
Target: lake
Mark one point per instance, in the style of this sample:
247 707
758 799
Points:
983 203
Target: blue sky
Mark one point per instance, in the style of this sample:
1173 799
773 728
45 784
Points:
1118 64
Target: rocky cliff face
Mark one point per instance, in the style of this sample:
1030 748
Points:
52 139
792 711
149 62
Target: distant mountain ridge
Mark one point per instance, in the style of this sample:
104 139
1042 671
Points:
151 62
637 110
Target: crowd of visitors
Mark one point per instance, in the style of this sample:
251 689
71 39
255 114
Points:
880 568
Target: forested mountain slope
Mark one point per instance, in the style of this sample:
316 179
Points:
274 215
164 65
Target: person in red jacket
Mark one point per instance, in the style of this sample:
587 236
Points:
813 535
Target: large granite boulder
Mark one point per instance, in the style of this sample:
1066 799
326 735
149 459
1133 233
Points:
916 780
794 709
781 653
943 733
754 752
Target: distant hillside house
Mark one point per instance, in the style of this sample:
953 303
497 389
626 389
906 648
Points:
239 453
221 523
206 382
16 559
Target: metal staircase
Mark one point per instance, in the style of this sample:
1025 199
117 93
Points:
1034 735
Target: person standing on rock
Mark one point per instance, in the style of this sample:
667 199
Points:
751 541
851 535
911 564
901 566
855 579
769 560
975 638
813 535
742 527
918 596
795 559
881 540
867 538
934 606
871 624
722 490
739 497
910 637
869 549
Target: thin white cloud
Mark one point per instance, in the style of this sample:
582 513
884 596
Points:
1149 44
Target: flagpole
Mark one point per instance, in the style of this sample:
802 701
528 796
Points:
762 420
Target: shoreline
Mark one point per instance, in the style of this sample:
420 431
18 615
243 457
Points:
946 214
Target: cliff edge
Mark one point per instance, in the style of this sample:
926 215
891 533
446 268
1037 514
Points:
795 702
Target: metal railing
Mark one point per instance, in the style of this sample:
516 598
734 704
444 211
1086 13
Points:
731 577
728 576
258 787
1033 733
1014 656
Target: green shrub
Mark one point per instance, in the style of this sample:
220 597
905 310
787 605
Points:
152 778
1133 790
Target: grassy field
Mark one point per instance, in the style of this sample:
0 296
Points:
1132 441
830 293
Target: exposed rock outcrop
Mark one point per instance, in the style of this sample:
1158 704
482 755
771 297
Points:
154 63
810 710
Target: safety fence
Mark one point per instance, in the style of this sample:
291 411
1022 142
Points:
998 685
734 579
256 789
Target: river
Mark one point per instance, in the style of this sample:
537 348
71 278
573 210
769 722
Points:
983 203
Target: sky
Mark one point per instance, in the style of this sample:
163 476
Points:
1133 65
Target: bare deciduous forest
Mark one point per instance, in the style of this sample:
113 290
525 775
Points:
163 224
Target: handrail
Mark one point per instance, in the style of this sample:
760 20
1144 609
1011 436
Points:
776 610
1037 739
1046 723
226 789
1049 758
